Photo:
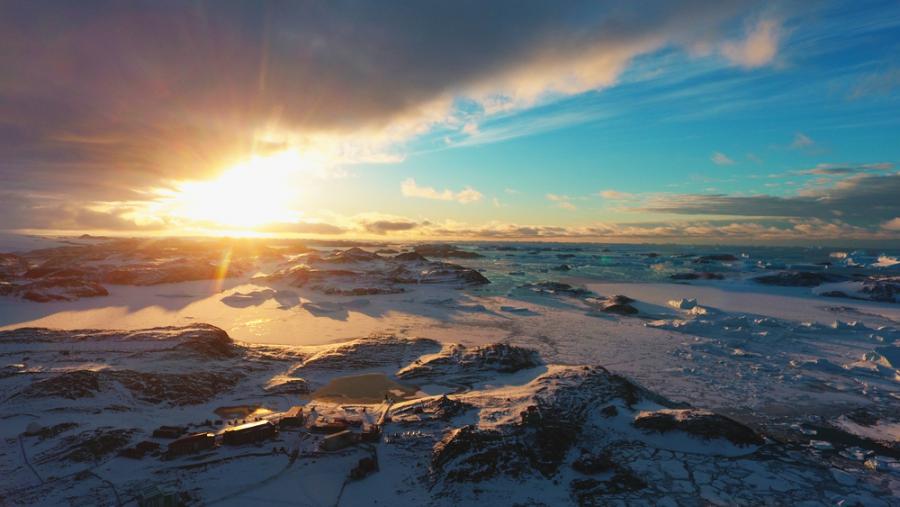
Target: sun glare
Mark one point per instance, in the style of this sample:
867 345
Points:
261 191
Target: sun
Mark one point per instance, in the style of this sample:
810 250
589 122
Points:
262 190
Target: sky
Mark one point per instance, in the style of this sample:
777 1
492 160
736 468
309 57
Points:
721 121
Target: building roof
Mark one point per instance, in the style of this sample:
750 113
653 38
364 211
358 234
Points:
249 426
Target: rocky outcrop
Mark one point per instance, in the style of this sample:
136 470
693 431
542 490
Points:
410 257
72 272
367 274
352 255
58 289
171 388
799 278
176 271
557 289
438 408
540 441
619 305
886 291
88 446
699 423
461 364
443 251
372 352
205 340
12 265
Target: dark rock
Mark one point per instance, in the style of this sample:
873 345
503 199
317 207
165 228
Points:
442 408
176 271
51 431
59 289
863 417
591 464
699 423
171 388
547 430
799 279
71 385
609 411
697 276
364 468
350 255
88 446
557 288
705 259
12 265
619 305
290 386
410 257
206 340
562 267
442 250
592 492
372 352
883 291
457 360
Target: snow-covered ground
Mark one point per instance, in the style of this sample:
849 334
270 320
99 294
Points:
817 377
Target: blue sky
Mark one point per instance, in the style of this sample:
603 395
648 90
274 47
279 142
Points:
723 122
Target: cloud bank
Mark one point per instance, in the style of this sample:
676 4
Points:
109 97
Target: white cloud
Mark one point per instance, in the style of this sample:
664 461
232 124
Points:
615 195
562 201
470 128
720 158
409 188
759 48
892 225
801 141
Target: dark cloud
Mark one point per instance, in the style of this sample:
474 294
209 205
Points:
840 169
130 93
55 213
865 200
386 226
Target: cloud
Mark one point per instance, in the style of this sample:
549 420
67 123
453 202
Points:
134 94
878 84
615 195
410 188
801 141
720 158
470 128
56 212
892 225
562 201
863 199
758 48
386 226
841 169
729 231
